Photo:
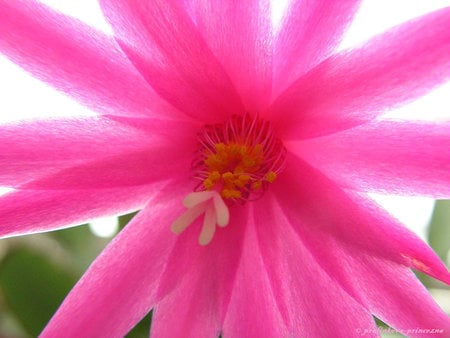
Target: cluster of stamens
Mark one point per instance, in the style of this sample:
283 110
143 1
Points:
236 162
233 170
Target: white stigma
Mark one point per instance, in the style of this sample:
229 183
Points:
215 211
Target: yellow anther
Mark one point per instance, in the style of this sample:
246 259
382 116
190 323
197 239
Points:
257 150
208 184
271 176
231 193
236 156
212 160
214 176
220 147
244 178
232 166
242 150
227 176
238 170
256 185
248 162
241 181
234 149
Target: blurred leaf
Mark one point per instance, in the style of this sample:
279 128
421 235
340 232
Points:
125 219
33 287
439 230
74 237
438 238
142 329
9 326
81 244
426 280
380 323
385 330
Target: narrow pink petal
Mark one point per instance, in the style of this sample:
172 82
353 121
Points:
398 298
310 298
163 43
358 222
355 86
29 211
189 312
309 32
129 169
118 288
215 265
68 139
239 34
192 309
33 148
388 290
253 311
159 161
37 148
393 157
75 59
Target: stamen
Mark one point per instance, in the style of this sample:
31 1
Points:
239 158
182 222
193 199
222 212
236 162
208 203
209 227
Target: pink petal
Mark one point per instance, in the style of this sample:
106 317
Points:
71 139
98 151
394 157
215 265
353 87
390 291
398 298
165 46
159 158
29 211
201 278
253 296
117 290
37 147
189 311
130 169
308 296
358 222
309 32
239 34
75 59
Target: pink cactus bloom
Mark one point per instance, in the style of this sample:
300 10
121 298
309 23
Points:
249 150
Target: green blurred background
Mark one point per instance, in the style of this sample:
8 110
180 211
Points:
37 271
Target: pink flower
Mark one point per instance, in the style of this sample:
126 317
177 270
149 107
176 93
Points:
272 141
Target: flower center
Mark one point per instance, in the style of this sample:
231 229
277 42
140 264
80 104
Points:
238 158
236 162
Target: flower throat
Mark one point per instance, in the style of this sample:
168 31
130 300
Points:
236 162
238 158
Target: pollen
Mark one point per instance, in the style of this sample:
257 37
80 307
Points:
271 176
239 158
236 162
